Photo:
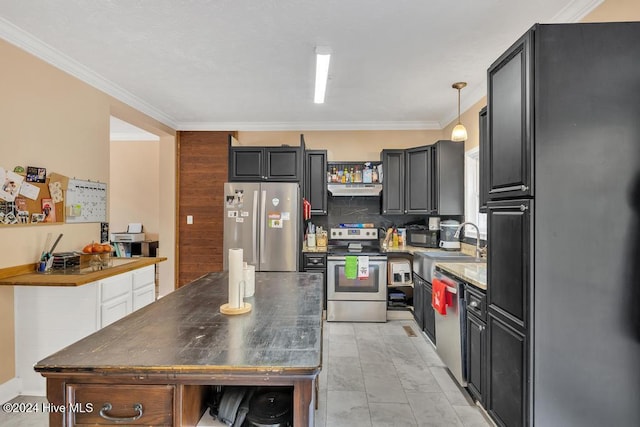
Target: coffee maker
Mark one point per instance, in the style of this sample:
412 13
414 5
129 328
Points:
448 240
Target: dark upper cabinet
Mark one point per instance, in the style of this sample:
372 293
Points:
265 164
448 178
315 180
507 390
483 160
424 180
393 163
509 231
246 164
509 122
419 182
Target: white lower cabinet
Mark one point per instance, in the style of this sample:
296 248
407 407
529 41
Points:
144 287
49 318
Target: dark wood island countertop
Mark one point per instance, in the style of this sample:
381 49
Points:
183 341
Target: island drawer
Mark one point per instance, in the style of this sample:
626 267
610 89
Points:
113 404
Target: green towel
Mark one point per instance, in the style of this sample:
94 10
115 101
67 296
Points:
351 267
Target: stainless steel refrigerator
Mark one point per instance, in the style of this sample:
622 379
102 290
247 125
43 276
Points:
264 220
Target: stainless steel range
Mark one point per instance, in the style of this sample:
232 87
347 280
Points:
356 276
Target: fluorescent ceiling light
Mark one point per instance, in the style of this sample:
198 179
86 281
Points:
323 56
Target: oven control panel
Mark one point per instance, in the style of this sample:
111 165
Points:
353 233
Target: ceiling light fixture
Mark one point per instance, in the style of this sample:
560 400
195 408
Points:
459 132
323 56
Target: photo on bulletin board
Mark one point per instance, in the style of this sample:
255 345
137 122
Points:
35 174
49 210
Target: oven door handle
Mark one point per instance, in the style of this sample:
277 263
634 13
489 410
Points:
371 257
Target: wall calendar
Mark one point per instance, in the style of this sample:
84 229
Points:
86 201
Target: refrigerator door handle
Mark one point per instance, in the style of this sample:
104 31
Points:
255 227
263 225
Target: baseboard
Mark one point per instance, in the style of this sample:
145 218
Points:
10 389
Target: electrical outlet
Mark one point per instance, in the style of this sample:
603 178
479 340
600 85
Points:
189 219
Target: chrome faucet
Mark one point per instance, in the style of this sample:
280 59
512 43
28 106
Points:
457 236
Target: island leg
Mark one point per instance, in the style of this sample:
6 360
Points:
303 405
56 396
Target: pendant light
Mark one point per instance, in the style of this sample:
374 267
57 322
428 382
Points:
459 132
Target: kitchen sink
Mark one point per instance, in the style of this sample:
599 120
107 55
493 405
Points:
424 263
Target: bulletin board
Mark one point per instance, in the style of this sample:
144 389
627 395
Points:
86 201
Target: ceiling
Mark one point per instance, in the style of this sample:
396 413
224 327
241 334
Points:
249 65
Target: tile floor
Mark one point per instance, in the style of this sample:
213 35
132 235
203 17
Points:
374 375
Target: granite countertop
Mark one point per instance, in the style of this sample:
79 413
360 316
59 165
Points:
407 249
474 273
316 249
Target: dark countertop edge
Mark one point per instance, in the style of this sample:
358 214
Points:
78 279
161 371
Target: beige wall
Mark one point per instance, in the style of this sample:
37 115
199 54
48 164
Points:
345 145
52 120
615 10
133 186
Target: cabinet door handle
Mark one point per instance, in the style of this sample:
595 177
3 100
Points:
521 208
473 304
512 188
107 407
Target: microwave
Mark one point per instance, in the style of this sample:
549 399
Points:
423 238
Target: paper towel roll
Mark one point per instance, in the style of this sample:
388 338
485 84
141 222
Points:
249 273
235 277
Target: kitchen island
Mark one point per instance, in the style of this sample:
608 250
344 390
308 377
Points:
166 356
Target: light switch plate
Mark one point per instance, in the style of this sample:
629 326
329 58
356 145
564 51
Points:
189 219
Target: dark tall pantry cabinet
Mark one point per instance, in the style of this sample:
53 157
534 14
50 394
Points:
563 133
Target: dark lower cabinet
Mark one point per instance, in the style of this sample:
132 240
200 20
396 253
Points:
507 362
418 300
429 314
476 342
423 312
316 263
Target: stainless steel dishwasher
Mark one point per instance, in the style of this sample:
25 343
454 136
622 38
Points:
451 329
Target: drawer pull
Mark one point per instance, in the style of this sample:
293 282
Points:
473 304
107 407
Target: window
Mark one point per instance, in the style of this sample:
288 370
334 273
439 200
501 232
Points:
472 195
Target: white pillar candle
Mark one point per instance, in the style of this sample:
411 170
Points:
235 276
249 280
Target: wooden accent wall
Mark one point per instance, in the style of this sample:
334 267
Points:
202 171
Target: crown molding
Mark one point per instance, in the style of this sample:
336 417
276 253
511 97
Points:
49 54
307 126
575 11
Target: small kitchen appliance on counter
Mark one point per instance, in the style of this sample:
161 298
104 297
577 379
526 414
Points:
134 233
420 235
448 239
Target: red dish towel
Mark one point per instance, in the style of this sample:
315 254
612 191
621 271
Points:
440 297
